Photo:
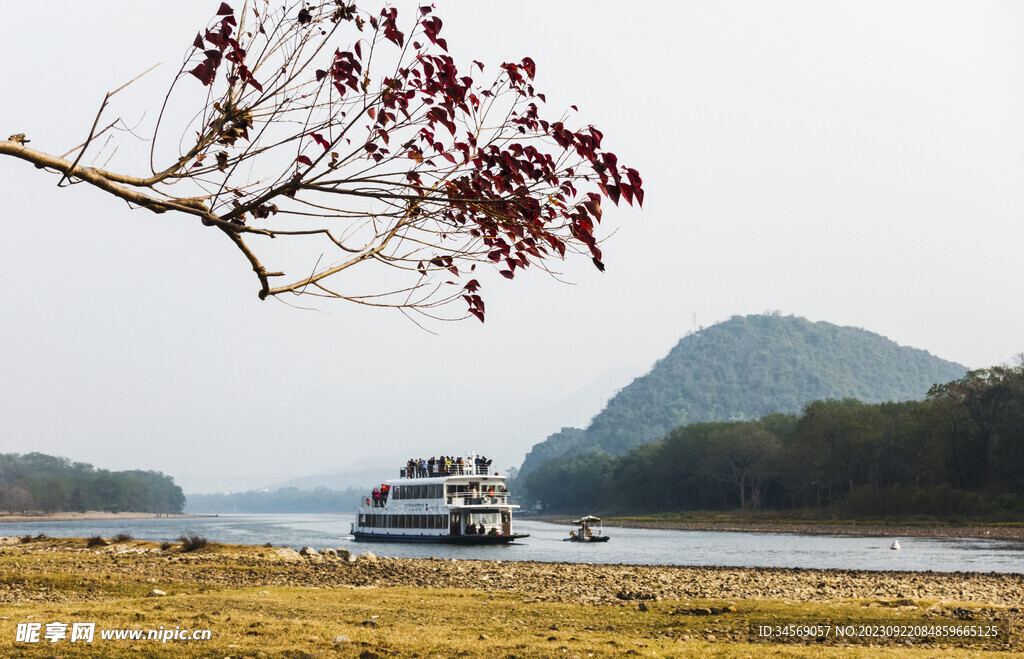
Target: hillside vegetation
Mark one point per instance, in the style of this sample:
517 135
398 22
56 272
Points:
958 455
745 368
51 484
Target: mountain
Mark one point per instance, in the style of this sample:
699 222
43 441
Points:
749 366
362 474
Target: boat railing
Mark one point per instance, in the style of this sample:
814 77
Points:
441 471
469 500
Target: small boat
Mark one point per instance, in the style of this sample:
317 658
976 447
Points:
586 532
449 500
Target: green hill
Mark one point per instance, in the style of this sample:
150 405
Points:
38 482
745 368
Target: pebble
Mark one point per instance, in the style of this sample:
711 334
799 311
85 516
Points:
550 582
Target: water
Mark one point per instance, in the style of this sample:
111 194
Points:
630 546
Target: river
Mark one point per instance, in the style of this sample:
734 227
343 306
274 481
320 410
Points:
629 546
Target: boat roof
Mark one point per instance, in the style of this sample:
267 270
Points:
491 479
588 518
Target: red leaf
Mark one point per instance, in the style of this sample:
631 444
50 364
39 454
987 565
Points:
204 72
529 66
627 192
637 183
225 10
198 43
507 274
597 262
320 140
304 160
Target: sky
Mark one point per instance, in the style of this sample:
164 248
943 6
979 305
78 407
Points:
859 163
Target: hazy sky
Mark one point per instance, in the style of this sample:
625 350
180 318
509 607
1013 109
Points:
855 162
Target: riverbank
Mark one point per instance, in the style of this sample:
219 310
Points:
1015 533
263 601
863 529
89 515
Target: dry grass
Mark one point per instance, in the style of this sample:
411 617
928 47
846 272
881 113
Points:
68 584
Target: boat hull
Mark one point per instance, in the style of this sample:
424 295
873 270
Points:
596 538
440 539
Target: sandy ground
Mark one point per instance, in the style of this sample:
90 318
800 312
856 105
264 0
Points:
88 515
253 567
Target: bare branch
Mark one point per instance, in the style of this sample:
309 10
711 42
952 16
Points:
423 172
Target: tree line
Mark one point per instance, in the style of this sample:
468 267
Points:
959 452
38 482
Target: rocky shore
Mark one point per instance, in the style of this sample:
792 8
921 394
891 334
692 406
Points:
254 567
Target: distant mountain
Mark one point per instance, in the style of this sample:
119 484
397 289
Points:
283 500
363 474
745 368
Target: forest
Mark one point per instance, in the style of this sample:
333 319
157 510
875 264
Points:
38 482
745 368
958 454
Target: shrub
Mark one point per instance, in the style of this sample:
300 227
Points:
164 546
123 537
95 541
191 541
25 539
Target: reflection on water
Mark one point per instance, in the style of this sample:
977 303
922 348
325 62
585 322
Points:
633 546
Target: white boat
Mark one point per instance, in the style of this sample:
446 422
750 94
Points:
586 531
458 501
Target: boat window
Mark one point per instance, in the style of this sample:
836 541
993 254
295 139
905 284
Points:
488 519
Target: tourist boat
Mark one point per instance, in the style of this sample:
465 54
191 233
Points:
456 501
586 531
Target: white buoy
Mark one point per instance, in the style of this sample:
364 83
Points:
895 545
